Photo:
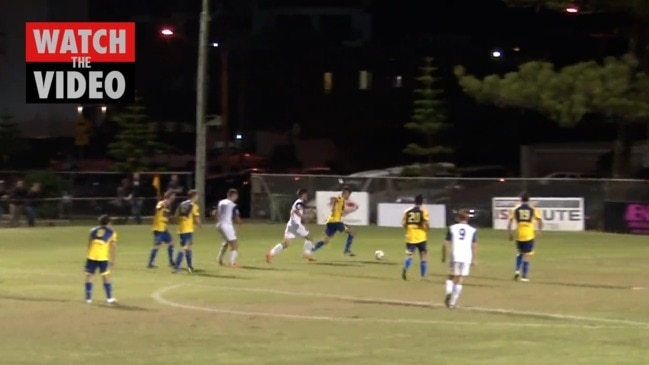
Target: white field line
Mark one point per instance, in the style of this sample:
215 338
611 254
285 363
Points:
158 296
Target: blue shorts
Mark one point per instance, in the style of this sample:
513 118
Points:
185 238
92 266
332 228
525 246
422 247
161 237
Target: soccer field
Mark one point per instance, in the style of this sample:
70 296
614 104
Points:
586 304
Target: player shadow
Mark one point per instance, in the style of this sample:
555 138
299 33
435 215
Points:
33 299
259 268
386 263
390 303
584 285
206 274
126 308
338 264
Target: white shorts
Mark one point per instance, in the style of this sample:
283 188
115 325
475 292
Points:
459 269
227 231
295 230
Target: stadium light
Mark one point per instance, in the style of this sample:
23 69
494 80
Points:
214 44
572 9
103 109
79 109
167 32
496 54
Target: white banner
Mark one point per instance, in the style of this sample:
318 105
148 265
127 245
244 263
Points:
391 214
559 214
360 217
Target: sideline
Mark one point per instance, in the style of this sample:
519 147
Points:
158 297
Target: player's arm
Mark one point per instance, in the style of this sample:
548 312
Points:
510 223
474 248
425 223
197 216
446 246
539 220
236 216
332 201
404 221
113 249
215 213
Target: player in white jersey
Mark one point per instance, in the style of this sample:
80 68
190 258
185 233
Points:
462 245
226 214
295 228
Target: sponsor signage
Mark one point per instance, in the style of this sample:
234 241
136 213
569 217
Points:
624 217
559 214
359 217
391 214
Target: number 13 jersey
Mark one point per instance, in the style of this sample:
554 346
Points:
462 237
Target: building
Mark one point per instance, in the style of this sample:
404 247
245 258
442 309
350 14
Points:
36 120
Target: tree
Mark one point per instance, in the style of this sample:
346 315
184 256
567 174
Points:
11 139
615 89
429 115
136 141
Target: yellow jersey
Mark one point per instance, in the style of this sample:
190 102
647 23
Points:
337 210
525 217
161 216
414 221
99 243
187 212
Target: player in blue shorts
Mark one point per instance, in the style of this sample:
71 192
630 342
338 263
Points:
161 230
335 224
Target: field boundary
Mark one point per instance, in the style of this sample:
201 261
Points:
158 297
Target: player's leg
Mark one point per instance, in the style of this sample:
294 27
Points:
423 257
184 239
157 242
350 240
519 260
170 247
234 251
104 271
457 284
90 269
449 284
527 256
289 234
189 257
330 231
410 250
223 249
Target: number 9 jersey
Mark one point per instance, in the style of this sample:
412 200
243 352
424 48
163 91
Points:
415 221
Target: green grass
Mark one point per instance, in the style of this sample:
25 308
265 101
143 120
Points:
337 310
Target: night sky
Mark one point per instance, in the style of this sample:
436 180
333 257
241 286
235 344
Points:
276 77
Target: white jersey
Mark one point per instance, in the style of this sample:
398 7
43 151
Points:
297 212
225 211
462 237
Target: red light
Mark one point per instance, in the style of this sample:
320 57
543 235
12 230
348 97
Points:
572 9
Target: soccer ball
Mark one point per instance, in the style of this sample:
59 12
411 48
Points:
379 255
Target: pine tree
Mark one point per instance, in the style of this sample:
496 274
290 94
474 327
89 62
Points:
429 115
136 141
12 142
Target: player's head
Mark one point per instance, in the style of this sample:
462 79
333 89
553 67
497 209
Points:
169 196
525 198
302 194
346 191
193 195
419 199
462 216
104 220
233 195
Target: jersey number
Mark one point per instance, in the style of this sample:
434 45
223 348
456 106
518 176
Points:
414 218
524 215
462 234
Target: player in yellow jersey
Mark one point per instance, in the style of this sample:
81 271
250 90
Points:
160 229
188 215
102 244
415 223
526 218
335 224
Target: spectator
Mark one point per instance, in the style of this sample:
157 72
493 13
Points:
33 201
65 205
124 199
136 198
17 202
174 185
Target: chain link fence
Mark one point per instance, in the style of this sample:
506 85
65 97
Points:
273 194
